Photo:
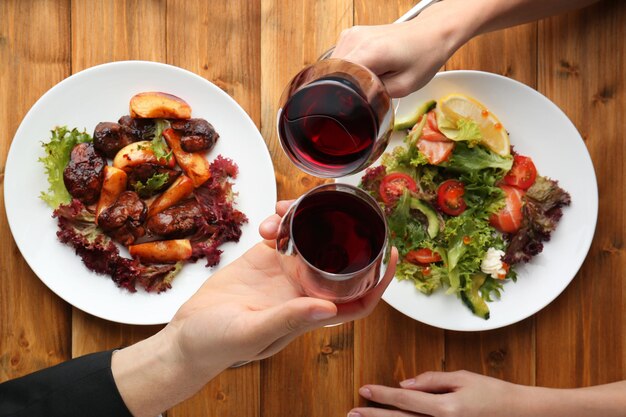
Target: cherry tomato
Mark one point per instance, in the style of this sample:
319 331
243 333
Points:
392 186
422 256
523 173
435 152
509 218
450 197
431 131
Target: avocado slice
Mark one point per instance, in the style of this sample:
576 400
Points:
409 122
473 300
431 215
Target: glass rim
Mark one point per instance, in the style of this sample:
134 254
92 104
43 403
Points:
359 193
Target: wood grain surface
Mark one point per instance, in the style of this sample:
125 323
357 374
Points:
501 353
251 49
35 325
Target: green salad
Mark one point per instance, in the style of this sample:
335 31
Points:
462 207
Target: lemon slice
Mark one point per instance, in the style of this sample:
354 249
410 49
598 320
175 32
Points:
455 107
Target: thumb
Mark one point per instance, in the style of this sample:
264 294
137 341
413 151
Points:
293 316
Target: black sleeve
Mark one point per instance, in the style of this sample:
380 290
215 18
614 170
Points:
77 388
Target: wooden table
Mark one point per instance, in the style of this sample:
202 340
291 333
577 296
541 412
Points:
251 49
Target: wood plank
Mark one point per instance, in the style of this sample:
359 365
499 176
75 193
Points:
390 347
220 40
293 34
581 337
506 353
34 56
104 31
313 376
511 52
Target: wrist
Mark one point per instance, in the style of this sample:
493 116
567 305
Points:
153 375
455 22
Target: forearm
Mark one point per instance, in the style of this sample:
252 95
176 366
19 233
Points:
482 16
603 400
151 375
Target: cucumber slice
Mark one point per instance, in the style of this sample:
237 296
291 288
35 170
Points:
431 215
473 300
409 122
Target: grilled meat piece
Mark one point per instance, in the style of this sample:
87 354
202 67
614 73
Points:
84 174
141 129
123 220
196 134
177 221
144 172
109 138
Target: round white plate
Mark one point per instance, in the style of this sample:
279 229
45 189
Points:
102 93
539 129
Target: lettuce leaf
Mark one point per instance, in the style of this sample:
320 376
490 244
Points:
466 158
58 151
423 283
157 144
98 252
468 131
542 211
153 184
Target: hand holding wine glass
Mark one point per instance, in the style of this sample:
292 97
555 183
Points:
248 310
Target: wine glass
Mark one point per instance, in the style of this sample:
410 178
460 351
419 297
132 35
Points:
335 118
333 243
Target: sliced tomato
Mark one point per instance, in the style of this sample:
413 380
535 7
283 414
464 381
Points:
431 131
422 256
522 174
509 218
393 185
450 197
435 152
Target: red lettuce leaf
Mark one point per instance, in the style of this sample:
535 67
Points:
221 222
542 211
98 252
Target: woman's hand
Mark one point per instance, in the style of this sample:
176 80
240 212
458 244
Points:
466 394
445 394
406 55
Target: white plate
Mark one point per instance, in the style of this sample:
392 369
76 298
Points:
539 129
100 94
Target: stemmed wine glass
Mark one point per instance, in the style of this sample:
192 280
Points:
335 118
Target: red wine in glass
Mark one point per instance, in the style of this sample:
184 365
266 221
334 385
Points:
335 118
333 242
337 232
328 126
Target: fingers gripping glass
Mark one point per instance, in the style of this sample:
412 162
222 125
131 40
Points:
336 117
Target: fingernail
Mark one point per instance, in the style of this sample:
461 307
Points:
365 392
354 414
407 383
319 315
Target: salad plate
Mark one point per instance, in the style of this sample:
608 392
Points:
539 129
102 93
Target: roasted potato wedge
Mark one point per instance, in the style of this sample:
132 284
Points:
113 185
178 191
162 251
154 104
138 153
194 165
